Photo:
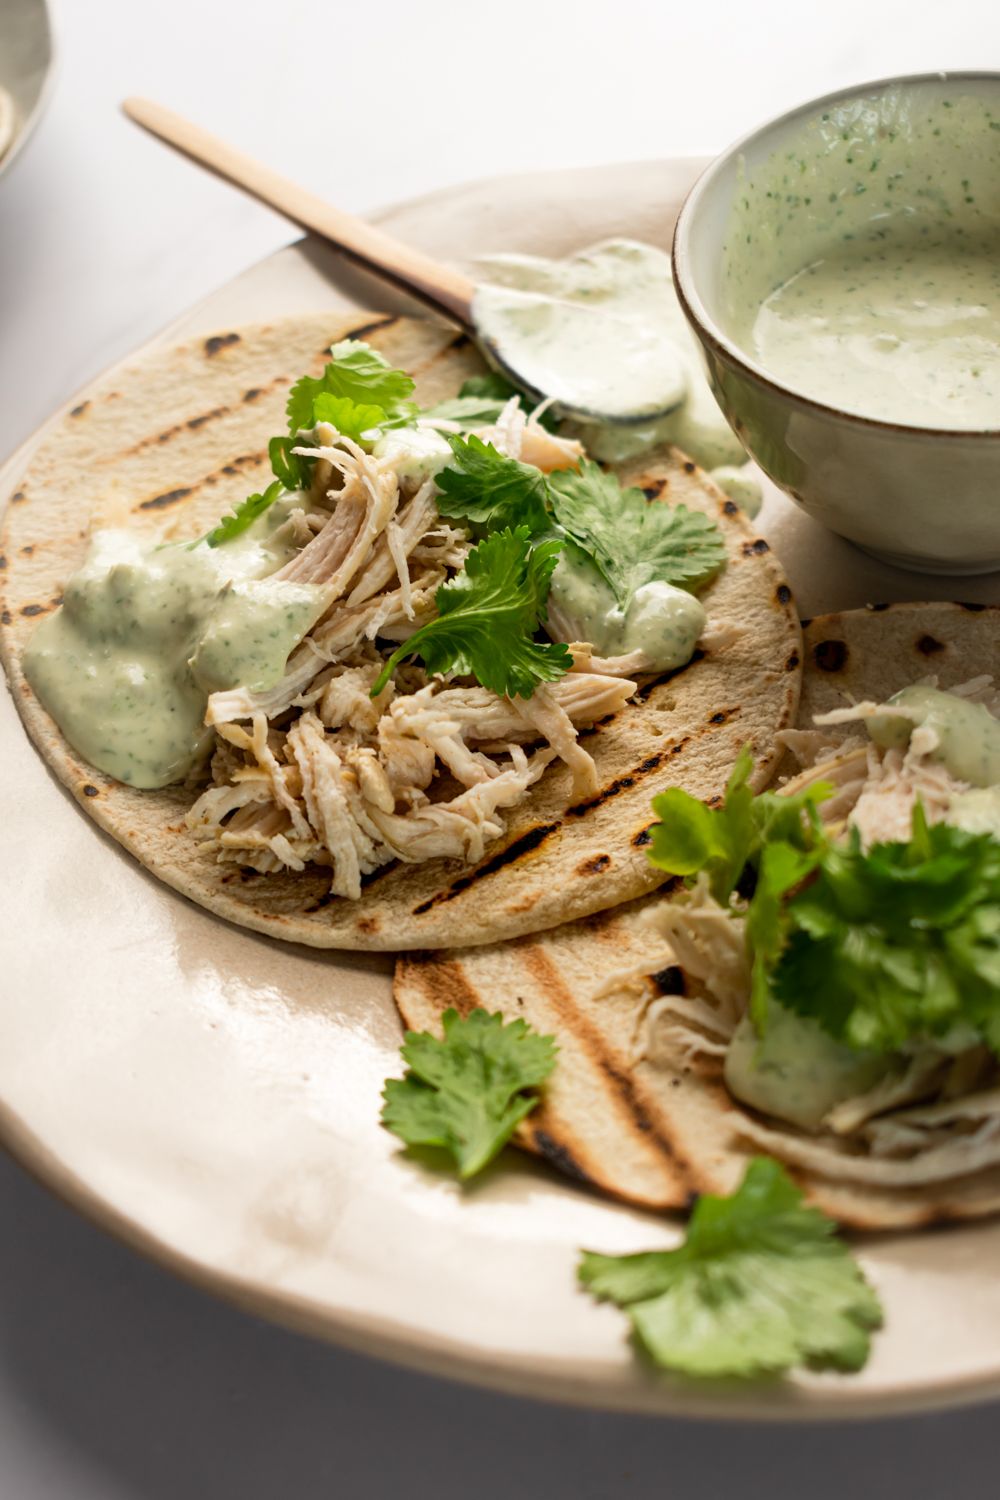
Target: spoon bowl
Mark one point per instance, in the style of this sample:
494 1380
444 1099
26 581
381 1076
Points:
447 291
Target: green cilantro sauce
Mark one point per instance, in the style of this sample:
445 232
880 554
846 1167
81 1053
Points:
147 631
603 330
417 453
968 734
862 261
588 331
899 324
977 811
796 1071
661 620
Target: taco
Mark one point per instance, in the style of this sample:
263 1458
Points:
296 765
825 990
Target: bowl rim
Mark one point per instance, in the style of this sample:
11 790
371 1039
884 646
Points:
705 326
25 125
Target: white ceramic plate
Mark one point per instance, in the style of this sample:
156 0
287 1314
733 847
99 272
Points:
25 68
213 1097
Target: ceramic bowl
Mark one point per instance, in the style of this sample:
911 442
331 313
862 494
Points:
26 58
920 497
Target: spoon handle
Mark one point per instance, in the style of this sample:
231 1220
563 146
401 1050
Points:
447 291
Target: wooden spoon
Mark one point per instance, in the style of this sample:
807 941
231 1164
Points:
448 292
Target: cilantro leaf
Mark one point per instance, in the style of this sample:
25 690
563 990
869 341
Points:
898 943
487 617
760 1284
781 866
244 515
351 418
357 372
692 837
357 390
481 400
294 470
467 411
490 490
629 540
468 1092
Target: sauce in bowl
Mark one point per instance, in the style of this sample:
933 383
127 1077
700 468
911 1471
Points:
900 324
862 261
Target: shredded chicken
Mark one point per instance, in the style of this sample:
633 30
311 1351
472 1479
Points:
521 435
709 945
314 770
832 1157
810 747
934 1115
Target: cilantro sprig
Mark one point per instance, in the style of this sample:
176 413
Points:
293 470
897 943
480 401
356 374
487 617
491 491
617 531
243 515
357 391
468 1091
882 947
722 841
760 1284
630 541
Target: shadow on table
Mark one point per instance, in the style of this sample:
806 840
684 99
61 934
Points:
169 1394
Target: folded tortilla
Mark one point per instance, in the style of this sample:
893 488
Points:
659 1127
169 444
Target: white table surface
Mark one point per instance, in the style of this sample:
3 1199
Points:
117 1382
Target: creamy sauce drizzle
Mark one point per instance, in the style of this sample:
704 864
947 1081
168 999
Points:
603 330
147 631
796 1070
967 733
661 620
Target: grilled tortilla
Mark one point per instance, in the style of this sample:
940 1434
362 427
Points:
178 439
657 1126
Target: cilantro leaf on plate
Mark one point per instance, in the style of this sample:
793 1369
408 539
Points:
898 943
487 618
358 373
467 1092
484 487
630 540
244 515
760 1284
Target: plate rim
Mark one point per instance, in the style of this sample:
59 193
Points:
387 1338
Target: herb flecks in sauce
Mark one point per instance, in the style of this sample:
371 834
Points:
147 631
602 315
862 261
967 734
895 325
